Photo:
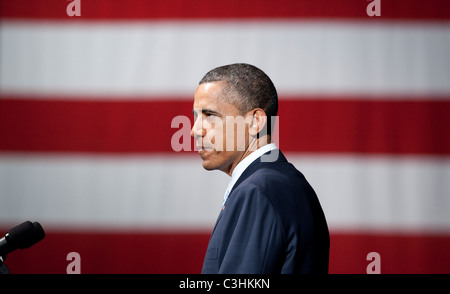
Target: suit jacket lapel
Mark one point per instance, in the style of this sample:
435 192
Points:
254 166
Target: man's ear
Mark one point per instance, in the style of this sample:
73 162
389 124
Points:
258 122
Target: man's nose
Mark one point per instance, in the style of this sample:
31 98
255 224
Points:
197 129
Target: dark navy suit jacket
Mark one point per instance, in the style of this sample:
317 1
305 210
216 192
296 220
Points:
271 223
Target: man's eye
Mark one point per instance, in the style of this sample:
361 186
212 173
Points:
210 115
211 118
214 117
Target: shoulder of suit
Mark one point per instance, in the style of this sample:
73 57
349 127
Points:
272 176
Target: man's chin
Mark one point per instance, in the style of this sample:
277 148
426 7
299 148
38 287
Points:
208 166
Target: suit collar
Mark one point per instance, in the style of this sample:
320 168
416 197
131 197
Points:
243 165
267 158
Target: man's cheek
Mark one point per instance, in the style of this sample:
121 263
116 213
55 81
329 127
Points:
214 138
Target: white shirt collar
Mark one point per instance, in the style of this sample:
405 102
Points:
242 166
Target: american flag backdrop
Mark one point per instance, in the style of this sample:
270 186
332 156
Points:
86 105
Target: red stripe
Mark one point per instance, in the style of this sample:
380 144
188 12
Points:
399 253
306 125
177 252
365 126
119 253
232 9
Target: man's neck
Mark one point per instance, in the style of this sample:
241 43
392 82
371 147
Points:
252 147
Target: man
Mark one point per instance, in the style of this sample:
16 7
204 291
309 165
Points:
271 220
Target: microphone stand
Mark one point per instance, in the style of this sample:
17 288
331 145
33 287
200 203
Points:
3 268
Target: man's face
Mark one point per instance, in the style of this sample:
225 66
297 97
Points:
210 129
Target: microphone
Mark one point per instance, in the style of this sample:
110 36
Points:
22 236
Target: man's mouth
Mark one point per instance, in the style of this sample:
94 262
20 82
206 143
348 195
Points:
204 148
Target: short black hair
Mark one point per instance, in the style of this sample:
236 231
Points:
248 87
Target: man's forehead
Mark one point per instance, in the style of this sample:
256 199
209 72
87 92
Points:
210 91
212 86
208 95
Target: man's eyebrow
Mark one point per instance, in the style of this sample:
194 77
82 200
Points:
207 111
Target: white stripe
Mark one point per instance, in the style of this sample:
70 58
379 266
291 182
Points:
381 192
151 192
169 58
170 192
